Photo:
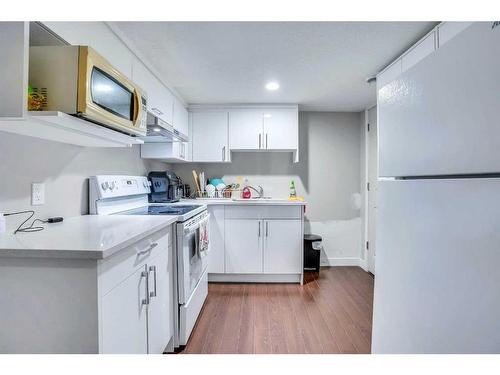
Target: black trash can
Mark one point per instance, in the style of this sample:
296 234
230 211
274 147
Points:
311 255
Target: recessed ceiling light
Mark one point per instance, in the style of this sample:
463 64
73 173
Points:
272 86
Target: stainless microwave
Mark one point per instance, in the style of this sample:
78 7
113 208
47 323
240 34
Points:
78 81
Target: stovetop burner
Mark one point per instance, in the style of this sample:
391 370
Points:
160 210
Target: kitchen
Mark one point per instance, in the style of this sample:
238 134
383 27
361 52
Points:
156 204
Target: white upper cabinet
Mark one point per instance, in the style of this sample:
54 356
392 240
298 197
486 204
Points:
14 69
421 50
281 129
160 99
245 129
100 37
266 128
210 136
448 30
181 117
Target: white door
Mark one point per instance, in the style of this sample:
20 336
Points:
245 129
281 129
243 246
441 116
372 186
124 316
160 319
216 254
282 246
437 282
210 136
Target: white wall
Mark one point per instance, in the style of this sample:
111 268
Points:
327 176
63 168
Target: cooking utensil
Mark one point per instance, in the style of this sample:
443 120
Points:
196 182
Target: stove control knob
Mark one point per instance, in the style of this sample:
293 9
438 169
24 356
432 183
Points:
113 185
145 183
104 186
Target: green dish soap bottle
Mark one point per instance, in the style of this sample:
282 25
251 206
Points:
293 192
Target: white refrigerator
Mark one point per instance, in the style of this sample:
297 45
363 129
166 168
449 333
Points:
437 287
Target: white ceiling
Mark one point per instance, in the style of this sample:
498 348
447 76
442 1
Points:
319 65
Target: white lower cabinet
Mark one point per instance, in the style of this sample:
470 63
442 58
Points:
136 314
243 246
160 328
120 304
256 243
124 317
282 246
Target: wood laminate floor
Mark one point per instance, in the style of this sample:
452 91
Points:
330 313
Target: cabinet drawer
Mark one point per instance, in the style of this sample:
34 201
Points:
121 265
263 212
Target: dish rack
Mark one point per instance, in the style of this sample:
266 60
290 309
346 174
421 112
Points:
224 194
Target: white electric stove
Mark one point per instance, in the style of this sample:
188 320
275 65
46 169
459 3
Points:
128 195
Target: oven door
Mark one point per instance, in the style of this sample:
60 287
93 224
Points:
191 263
105 95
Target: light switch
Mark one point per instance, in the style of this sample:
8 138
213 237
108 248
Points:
37 194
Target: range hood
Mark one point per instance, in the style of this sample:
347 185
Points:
161 131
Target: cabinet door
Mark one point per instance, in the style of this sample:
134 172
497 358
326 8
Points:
14 71
210 137
282 246
216 254
100 37
160 319
281 131
243 246
160 99
124 316
246 129
181 123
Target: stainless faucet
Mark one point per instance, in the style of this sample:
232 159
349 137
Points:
260 191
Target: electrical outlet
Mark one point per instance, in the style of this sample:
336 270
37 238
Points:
37 194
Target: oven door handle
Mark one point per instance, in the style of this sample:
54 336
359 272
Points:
197 225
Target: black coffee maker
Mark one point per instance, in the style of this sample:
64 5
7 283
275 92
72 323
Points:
166 187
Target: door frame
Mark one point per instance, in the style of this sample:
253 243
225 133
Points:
366 202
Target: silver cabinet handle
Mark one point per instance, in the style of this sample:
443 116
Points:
259 228
224 153
267 228
151 247
144 274
266 141
260 140
153 293
157 111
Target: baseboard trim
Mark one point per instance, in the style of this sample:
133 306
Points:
253 278
344 262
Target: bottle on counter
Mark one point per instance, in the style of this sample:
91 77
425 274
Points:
293 192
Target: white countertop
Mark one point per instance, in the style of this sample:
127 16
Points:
251 202
84 237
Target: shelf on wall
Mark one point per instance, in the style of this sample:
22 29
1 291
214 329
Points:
64 128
